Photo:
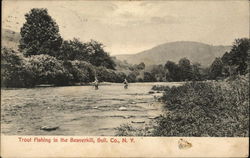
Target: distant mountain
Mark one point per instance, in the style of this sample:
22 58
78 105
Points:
10 38
174 51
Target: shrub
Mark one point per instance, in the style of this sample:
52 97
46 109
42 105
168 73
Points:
108 75
160 88
206 109
129 130
82 71
120 76
48 70
15 70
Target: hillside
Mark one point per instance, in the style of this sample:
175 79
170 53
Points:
10 39
194 51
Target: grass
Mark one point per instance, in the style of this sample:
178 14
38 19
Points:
160 88
129 130
218 109
202 109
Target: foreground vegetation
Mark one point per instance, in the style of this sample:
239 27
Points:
206 109
218 109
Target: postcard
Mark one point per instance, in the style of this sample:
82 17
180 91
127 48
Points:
125 78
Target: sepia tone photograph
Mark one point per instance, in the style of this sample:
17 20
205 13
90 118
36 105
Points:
125 68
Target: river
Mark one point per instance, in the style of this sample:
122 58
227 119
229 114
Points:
78 110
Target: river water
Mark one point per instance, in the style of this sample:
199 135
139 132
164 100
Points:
78 110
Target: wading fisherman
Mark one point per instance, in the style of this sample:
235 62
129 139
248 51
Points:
125 84
96 83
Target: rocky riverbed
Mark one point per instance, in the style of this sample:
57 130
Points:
78 110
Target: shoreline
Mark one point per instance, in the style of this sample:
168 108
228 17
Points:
90 84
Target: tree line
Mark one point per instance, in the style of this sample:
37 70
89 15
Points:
232 63
44 57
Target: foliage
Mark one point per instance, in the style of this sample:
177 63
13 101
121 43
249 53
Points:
160 88
39 34
109 75
50 60
232 63
129 130
15 70
80 71
149 77
198 72
73 50
185 69
91 52
18 71
238 56
141 66
206 109
159 73
173 71
48 70
216 69
98 57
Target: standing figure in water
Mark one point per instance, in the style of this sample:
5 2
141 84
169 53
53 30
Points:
125 84
96 83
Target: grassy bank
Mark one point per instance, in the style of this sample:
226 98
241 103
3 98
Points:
217 109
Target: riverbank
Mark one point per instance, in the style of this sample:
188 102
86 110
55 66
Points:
212 108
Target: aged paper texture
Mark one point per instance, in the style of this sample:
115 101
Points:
125 78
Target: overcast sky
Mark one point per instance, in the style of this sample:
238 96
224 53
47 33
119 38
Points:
127 27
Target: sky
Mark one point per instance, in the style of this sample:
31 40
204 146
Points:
128 27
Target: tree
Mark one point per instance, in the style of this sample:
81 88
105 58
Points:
185 69
39 34
238 55
97 55
73 50
173 71
141 66
131 77
216 69
196 72
149 77
159 73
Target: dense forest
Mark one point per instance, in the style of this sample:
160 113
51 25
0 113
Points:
44 57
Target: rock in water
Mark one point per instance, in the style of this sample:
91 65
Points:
49 128
126 117
138 121
153 117
122 109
